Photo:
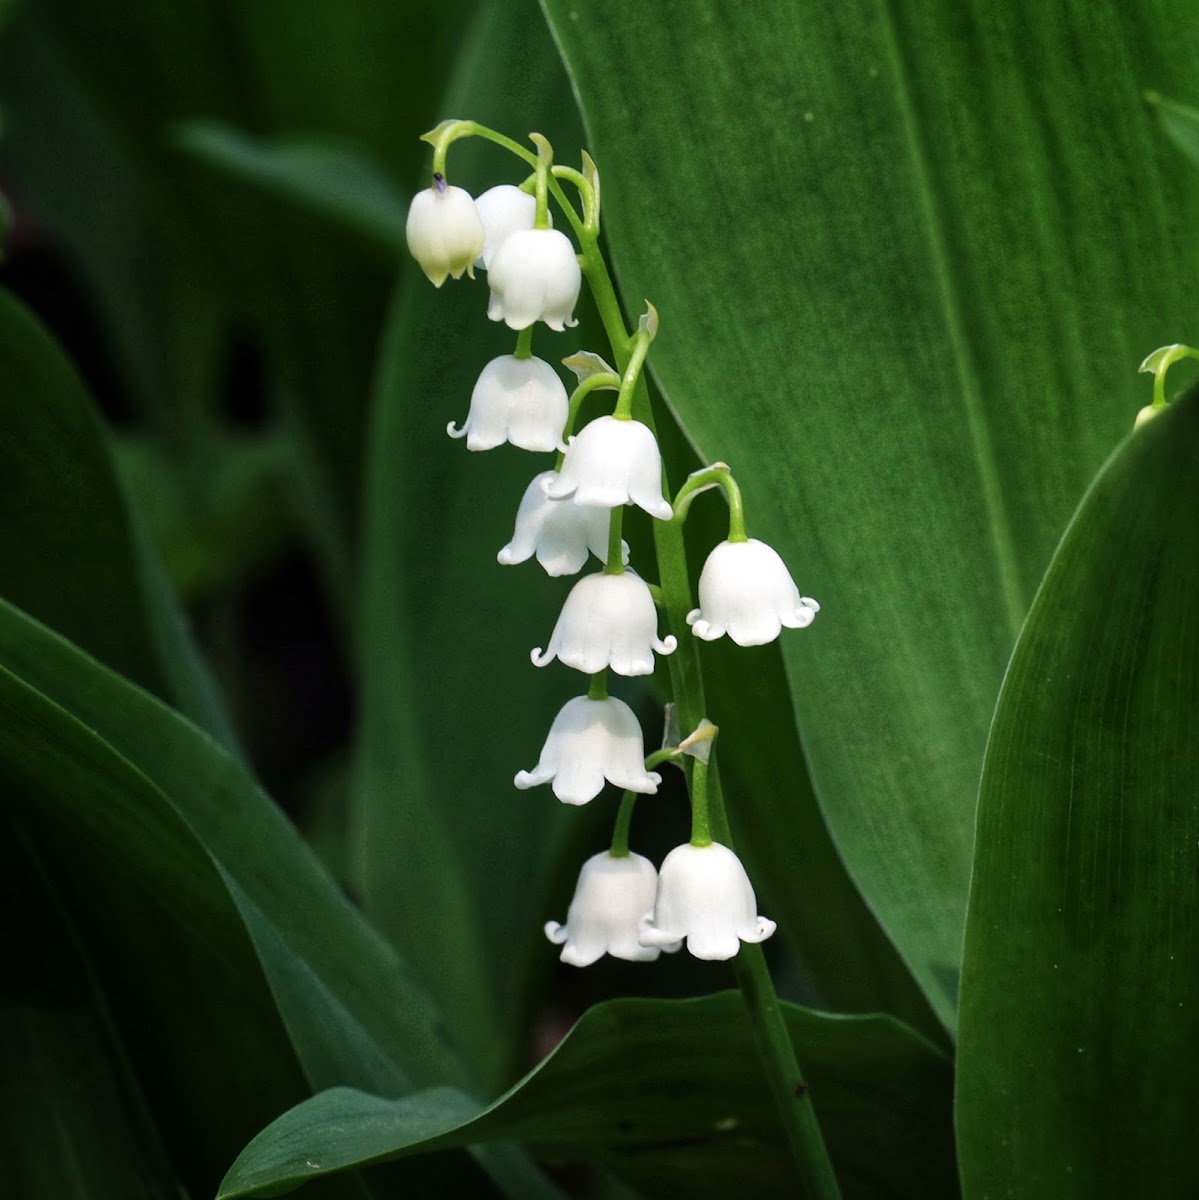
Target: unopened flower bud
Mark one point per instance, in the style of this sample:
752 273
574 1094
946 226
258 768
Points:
445 232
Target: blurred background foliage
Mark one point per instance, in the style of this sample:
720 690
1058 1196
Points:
225 480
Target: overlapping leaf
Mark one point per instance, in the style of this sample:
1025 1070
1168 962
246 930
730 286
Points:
895 249
628 1090
1079 995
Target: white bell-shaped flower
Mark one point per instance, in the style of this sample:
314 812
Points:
611 462
445 232
607 621
746 591
517 400
705 897
534 276
503 209
591 741
559 533
610 897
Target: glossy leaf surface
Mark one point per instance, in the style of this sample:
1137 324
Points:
895 249
1080 999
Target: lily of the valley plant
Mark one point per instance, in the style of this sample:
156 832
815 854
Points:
620 616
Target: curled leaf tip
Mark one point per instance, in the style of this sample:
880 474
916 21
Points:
544 150
649 320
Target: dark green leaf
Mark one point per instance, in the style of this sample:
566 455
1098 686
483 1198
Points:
641 1086
76 1126
353 1011
335 180
71 551
896 249
1080 998
175 973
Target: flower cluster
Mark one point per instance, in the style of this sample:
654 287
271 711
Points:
609 621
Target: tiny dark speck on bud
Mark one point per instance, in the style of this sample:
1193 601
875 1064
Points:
439 181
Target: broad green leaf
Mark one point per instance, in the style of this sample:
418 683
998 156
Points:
76 1126
895 249
1079 990
638 1086
353 1012
351 1006
338 181
451 858
175 973
1180 122
72 552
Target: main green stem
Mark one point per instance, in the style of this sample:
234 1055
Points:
791 1094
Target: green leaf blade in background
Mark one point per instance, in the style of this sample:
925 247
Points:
626 1090
175 982
73 552
76 1125
336 180
448 854
897 346
1078 1074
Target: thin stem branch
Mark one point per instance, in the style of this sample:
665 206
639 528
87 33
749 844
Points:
790 1092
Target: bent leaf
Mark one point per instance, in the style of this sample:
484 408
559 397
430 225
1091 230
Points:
628 1090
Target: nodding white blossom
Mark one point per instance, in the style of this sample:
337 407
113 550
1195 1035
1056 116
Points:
560 534
503 209
607 621
517 400
612 462
589 742
746 591
445 232
705 897
534 276
610 897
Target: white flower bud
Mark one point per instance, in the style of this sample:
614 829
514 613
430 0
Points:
534 276
607 621
517 400
746 591
591 741
610 897
705 896
560 534
445 232
503 209
612 462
